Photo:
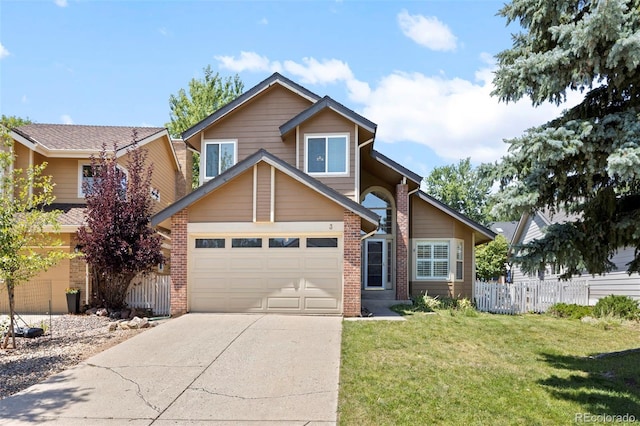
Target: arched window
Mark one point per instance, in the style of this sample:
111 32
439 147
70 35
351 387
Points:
380 204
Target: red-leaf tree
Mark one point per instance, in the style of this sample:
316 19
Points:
118 242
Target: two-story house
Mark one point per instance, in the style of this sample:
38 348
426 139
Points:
67 150
298 213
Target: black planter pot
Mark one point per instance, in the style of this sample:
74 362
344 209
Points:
73 303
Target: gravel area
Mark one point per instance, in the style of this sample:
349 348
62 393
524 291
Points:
71 339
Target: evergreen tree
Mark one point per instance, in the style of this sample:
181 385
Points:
587 161
118 241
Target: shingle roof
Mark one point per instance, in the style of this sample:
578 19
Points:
83 138
72 214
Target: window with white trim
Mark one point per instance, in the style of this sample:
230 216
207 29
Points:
86 173
432 260
459 260
327 154
217 156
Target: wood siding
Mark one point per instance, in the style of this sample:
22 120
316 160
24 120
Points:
160 157
59 276
65 175
296 202
329 122
232 202
256 125
263 193
428 222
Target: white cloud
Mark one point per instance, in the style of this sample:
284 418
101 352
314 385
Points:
66 119
427 31
263 21
312 71
61 3
3 52
456 118
248 61
25 99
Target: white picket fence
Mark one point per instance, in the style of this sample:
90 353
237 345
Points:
528 296
151 292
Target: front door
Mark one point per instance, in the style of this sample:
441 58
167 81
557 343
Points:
375 263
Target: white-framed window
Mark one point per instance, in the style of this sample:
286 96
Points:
217 156
440 259
459 260
327 154
85 174
432 260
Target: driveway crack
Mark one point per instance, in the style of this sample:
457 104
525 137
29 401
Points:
207 367
258 397
136 384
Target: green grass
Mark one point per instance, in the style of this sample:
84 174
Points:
451 368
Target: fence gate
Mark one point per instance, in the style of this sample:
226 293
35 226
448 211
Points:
151 291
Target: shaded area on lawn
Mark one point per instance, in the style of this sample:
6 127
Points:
603 385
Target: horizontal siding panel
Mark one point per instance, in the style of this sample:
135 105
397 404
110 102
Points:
232 202
297 202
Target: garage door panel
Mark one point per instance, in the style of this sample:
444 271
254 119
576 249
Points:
246 263
320 283
209 263
267 279
320 303
323 263
283 303
284 263
208 284
291 283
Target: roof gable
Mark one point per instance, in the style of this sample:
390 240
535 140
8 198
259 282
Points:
321 105
280 165
482 230
275 78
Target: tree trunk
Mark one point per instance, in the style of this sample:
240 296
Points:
112 290
10 292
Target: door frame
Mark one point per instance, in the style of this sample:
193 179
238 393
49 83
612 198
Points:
384 243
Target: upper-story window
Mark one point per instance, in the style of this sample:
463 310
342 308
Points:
87 176
217 157
327 154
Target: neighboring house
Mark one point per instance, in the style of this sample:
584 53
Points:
67 150
531 227
298 213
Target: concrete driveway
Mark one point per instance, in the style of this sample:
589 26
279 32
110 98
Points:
208 369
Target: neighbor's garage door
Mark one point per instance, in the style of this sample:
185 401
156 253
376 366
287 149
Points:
298 274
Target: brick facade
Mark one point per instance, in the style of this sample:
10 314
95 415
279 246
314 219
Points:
351 269
402 242
179 263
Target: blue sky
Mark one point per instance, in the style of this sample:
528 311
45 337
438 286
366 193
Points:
421 70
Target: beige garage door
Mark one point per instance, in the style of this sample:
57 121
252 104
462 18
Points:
294 274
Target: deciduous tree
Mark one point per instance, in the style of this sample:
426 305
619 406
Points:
462 188
118 241
587 161
27 227
204 97
491 258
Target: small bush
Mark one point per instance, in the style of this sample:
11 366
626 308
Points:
618 307
572 311
424 303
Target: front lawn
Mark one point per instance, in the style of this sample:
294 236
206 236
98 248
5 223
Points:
486 369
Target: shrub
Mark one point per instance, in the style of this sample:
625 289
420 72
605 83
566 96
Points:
617 306
573 311
425 303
